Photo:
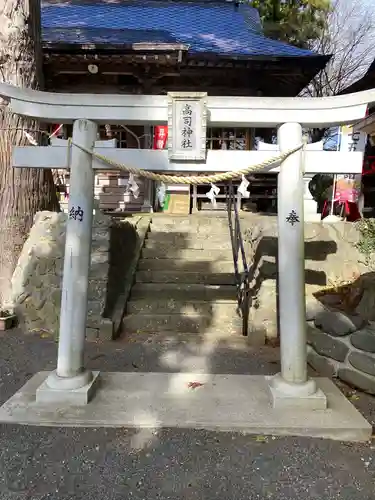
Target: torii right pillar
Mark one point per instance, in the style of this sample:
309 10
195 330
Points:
292 387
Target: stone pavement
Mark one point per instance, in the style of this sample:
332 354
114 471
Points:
113 464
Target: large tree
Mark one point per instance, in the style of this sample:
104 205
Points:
23 192
298 22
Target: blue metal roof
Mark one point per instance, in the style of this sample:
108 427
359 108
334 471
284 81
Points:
213 27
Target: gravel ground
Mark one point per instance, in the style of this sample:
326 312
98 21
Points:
113 464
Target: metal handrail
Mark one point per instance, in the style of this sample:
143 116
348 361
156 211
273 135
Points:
242 277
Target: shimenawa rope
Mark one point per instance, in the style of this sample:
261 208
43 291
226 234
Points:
190 179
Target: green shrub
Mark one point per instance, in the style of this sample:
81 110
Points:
366 243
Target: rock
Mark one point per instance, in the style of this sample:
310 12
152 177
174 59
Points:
337 323
324 366
366 305
326 345
363 362
357 379
364 340
313 308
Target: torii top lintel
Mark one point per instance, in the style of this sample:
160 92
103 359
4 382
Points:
222 111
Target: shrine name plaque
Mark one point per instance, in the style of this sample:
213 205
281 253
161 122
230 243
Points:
187 126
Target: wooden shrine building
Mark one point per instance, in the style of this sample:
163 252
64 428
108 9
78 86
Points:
157 46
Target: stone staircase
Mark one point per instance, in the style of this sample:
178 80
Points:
185 279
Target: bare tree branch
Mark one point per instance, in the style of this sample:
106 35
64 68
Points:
350 38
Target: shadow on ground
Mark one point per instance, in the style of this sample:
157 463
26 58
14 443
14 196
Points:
112 464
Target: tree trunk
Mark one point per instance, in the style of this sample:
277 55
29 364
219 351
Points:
23 192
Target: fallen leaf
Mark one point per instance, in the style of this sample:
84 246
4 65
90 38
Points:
194 385
353 397
261 439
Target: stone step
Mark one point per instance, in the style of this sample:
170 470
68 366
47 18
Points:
193 243
94 308
188 254
185 277
220 307
180 323
189 237
183 291
181 265
190 228
190 220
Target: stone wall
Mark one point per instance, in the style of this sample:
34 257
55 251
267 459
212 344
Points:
342 345
330 256
37 279
340 321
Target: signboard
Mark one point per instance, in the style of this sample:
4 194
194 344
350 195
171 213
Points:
352 141
348 186
187 123
160 136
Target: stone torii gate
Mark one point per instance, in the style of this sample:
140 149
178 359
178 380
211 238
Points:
71 383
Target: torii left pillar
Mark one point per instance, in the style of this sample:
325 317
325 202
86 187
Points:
71 383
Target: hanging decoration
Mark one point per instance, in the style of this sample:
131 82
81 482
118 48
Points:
108 130
161 192
30 138
242 189
133 186
212 193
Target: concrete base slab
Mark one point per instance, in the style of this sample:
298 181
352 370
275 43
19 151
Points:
332 219
76 397
316 401
239 403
